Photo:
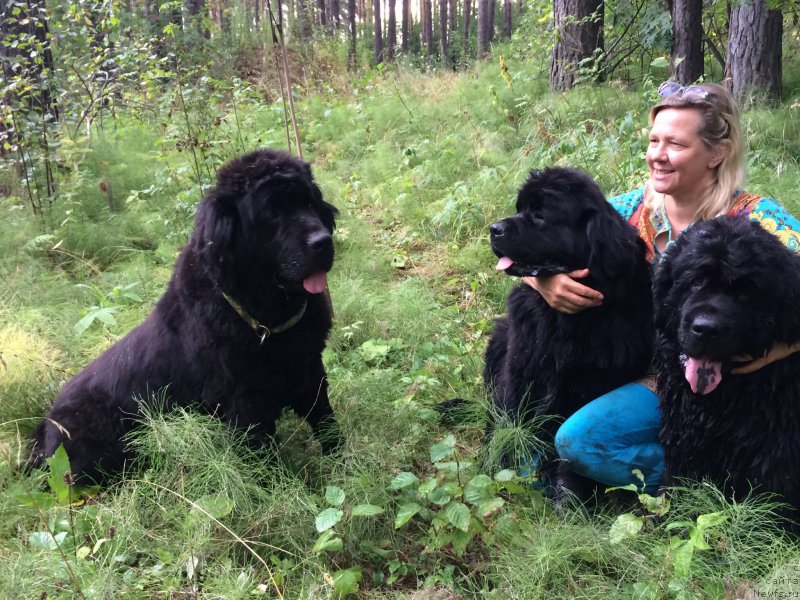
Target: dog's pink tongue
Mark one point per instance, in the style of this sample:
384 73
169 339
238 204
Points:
504 263
702 374
316 283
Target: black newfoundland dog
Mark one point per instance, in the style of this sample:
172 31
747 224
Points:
240 330
728 288
540 361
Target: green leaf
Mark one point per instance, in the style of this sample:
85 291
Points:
460 539
657 505
328 518
626 526
334 495
403 480
478 489
405 512
439 496
44 540
443 449
683 559
60 475
711 520
490 507
458 515
327 542
505 475
366 510
661 62
428 486
345 581
41 500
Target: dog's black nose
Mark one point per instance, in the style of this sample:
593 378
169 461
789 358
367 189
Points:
498 228
706 327
319 240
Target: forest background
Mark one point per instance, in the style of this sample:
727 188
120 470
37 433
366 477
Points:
421 119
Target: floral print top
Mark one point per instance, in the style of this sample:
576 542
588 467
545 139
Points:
766 211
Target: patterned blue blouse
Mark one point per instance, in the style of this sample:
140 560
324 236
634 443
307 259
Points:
767 212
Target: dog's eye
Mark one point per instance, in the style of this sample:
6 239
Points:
537 218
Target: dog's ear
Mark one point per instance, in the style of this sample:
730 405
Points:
214 232
610 252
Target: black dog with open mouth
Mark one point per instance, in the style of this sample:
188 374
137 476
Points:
728 288
239 331
540 361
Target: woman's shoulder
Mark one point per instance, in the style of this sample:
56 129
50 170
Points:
626 204
771 215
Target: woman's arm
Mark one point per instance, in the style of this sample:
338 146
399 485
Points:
563 293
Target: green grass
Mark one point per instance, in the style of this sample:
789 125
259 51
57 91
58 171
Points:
419 166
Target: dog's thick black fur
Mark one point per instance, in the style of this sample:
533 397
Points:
540 361
728 288
263 238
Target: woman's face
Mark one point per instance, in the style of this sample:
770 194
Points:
680 163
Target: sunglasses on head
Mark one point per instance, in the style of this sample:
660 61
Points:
690 92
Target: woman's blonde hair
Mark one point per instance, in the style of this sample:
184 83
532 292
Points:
719 121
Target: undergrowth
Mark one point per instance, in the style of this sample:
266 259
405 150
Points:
419 165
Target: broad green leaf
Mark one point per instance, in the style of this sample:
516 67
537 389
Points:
459 539
505 475
443 449
345 581
366 510
83 552
428 486
328 518
626 526
458 515
44 540
41 500
657 505
403 480
711 520
327 542
661 62
453 466
405 512
478 489
683 559
209 507
334 495
439 496
60 475
490 507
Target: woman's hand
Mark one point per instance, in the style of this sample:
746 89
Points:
778 352
563 293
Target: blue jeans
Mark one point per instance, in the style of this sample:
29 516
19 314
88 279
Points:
614 434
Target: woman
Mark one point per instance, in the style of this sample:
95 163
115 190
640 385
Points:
696 161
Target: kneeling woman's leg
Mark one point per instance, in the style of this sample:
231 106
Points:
614 434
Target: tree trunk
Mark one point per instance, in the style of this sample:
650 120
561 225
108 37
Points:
322 15
405 19
443 39
392 30
507 19
452 17
351 21
428 24
754 52
376 10
492 10
467 19
687 40
579 33
483 27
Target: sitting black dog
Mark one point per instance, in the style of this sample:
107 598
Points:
540 361
729 288
240 330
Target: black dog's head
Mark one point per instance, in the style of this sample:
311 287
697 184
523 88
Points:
725 288
266 221
563 223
